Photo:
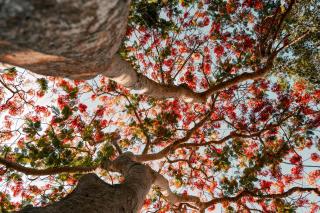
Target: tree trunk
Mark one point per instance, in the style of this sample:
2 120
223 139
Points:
94 195
67 38
76 39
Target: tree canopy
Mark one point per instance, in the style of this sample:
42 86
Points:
220 98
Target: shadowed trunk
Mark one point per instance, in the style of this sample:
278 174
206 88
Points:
75 39
67 38
94 195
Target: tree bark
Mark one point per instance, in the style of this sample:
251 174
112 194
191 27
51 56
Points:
94 195
67 38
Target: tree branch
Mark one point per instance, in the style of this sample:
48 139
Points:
49 171
123 73
247 193
115 138
141 125
280 23
173 198
241 78
180 142
296 40
164 152
224 139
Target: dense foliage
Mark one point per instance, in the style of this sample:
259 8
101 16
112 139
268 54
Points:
253 144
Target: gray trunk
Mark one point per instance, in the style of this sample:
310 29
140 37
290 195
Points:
77 39
67 38
94 195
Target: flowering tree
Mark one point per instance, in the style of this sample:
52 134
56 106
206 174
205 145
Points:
196 111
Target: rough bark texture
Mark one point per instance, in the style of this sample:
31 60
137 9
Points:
94 195
67 38
76 39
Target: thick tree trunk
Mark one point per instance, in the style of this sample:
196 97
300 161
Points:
94 195
74 39
67 38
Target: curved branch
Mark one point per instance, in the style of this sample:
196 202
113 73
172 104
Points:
241 78
224 139
246 193
180 143
173 198
49 171
141 125
122 72
164 152
294 41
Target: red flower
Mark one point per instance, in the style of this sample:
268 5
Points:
215 27
206 68
219 50
295 159
206 21
168 62
199 184
82 107
299 86
103 123
61 102
297 170
258 5
265 184
100 112
316 94
99 136
40 109
230 7
147 202
40 93
315 157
